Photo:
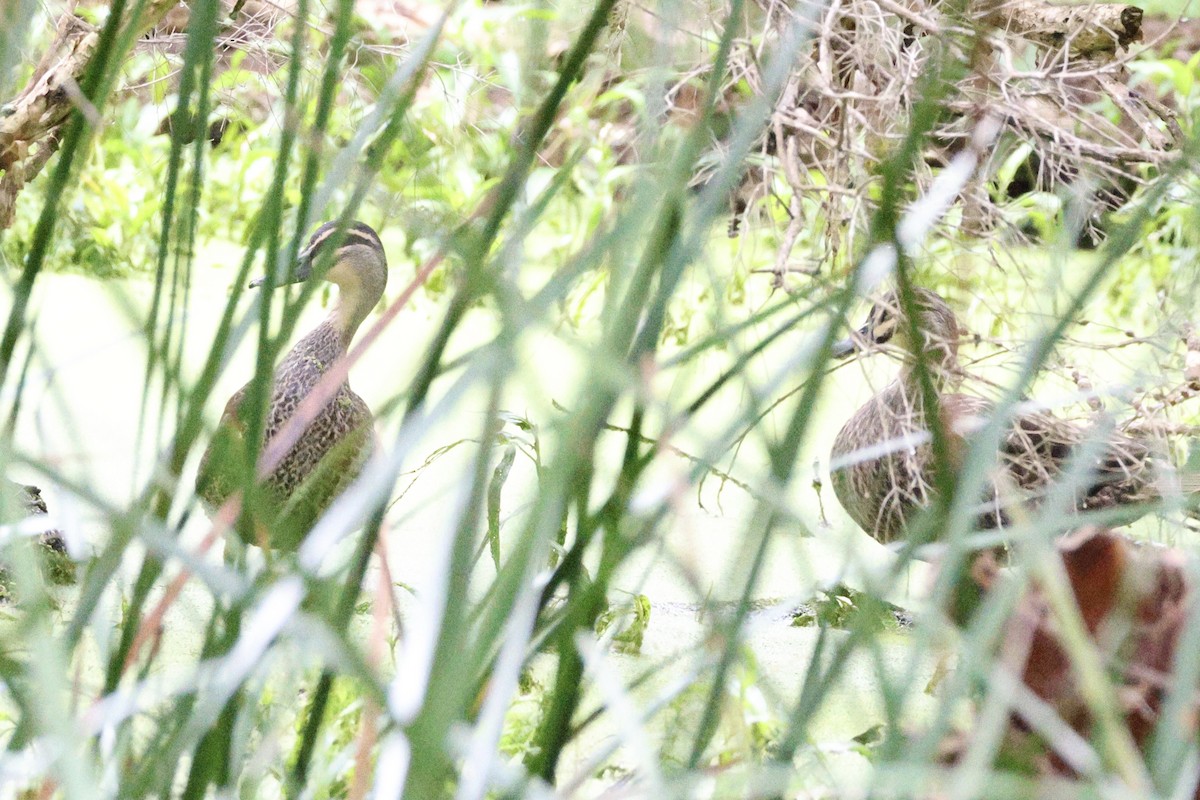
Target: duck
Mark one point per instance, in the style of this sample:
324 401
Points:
332 450
882 464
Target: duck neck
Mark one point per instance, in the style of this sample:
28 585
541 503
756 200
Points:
940 359
354 303
940 375
944 374
346 317
330 340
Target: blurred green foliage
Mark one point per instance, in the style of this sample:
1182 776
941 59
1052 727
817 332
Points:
453 148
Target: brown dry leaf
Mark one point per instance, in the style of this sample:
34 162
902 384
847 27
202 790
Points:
1133 601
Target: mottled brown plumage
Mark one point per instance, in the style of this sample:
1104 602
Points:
331 451
882 462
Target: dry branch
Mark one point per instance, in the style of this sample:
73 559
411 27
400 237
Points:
1088 30
31 124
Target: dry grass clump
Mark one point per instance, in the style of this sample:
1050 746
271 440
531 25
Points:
1046 88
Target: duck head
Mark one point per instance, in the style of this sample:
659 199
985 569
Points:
353 258
888 323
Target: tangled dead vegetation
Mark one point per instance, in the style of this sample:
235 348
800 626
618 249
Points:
1055 78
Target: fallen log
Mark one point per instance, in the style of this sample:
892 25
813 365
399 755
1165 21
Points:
1086 31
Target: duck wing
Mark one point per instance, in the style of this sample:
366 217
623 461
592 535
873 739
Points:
1038 447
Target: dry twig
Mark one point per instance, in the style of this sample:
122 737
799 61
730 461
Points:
847 105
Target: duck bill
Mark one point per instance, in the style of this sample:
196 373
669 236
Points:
854 343
299 275
848 346
844 348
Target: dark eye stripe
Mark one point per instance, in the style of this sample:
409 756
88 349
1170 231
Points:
356 234
884 328
358 237
366 232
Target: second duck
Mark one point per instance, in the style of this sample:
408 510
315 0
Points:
882 464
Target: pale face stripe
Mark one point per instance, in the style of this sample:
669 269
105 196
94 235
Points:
356 234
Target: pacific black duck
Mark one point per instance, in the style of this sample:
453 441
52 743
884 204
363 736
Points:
882 462
334 447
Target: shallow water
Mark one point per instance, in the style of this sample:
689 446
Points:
81 414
